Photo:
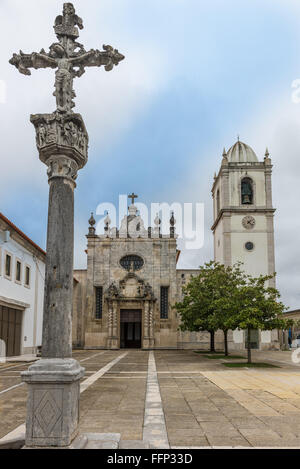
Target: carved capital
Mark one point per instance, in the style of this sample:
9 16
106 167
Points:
62 166
58 135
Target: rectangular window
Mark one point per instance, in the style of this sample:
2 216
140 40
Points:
99 302
8 266
164 302
18 271
27 276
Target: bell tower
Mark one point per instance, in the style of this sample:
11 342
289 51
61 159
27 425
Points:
243 212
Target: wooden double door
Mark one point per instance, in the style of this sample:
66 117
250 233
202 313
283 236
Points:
10 330
130 328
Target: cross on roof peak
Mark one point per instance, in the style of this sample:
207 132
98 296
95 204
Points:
132 197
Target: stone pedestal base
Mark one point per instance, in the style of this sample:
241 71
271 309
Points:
53 402
146 343
113 343
151 343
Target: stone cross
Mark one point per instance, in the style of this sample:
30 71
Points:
62 142
132 197
67 56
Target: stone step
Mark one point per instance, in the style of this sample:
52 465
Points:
101 440
16 443
133 444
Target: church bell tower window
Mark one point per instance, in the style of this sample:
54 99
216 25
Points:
247 191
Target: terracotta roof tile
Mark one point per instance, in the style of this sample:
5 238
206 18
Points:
23 235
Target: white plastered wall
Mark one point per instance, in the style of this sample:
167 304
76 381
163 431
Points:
33 296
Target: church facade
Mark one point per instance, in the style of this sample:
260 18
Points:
126 296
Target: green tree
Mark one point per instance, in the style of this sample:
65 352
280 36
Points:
195 309
226 298
258 307
227 282
208 303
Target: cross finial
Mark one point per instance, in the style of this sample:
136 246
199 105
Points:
132 197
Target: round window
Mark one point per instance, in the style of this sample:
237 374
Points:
249 246
132 262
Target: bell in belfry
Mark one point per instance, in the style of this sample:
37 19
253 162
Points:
247 192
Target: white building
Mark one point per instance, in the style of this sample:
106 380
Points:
243 222
22 274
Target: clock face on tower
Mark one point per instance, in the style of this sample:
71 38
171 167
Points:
248 222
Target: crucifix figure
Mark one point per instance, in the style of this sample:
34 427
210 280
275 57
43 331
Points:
132 197
68 57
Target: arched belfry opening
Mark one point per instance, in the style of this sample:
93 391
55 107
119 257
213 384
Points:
247 191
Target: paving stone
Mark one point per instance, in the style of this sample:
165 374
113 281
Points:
181 421
133 444
265 434
210 417
79 443
184 442
248 423
102 445
216 408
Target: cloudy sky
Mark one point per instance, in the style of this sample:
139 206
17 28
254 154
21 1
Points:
196 75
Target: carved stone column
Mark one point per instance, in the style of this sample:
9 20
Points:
110 325
146 343
53 382
151 325
115 337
